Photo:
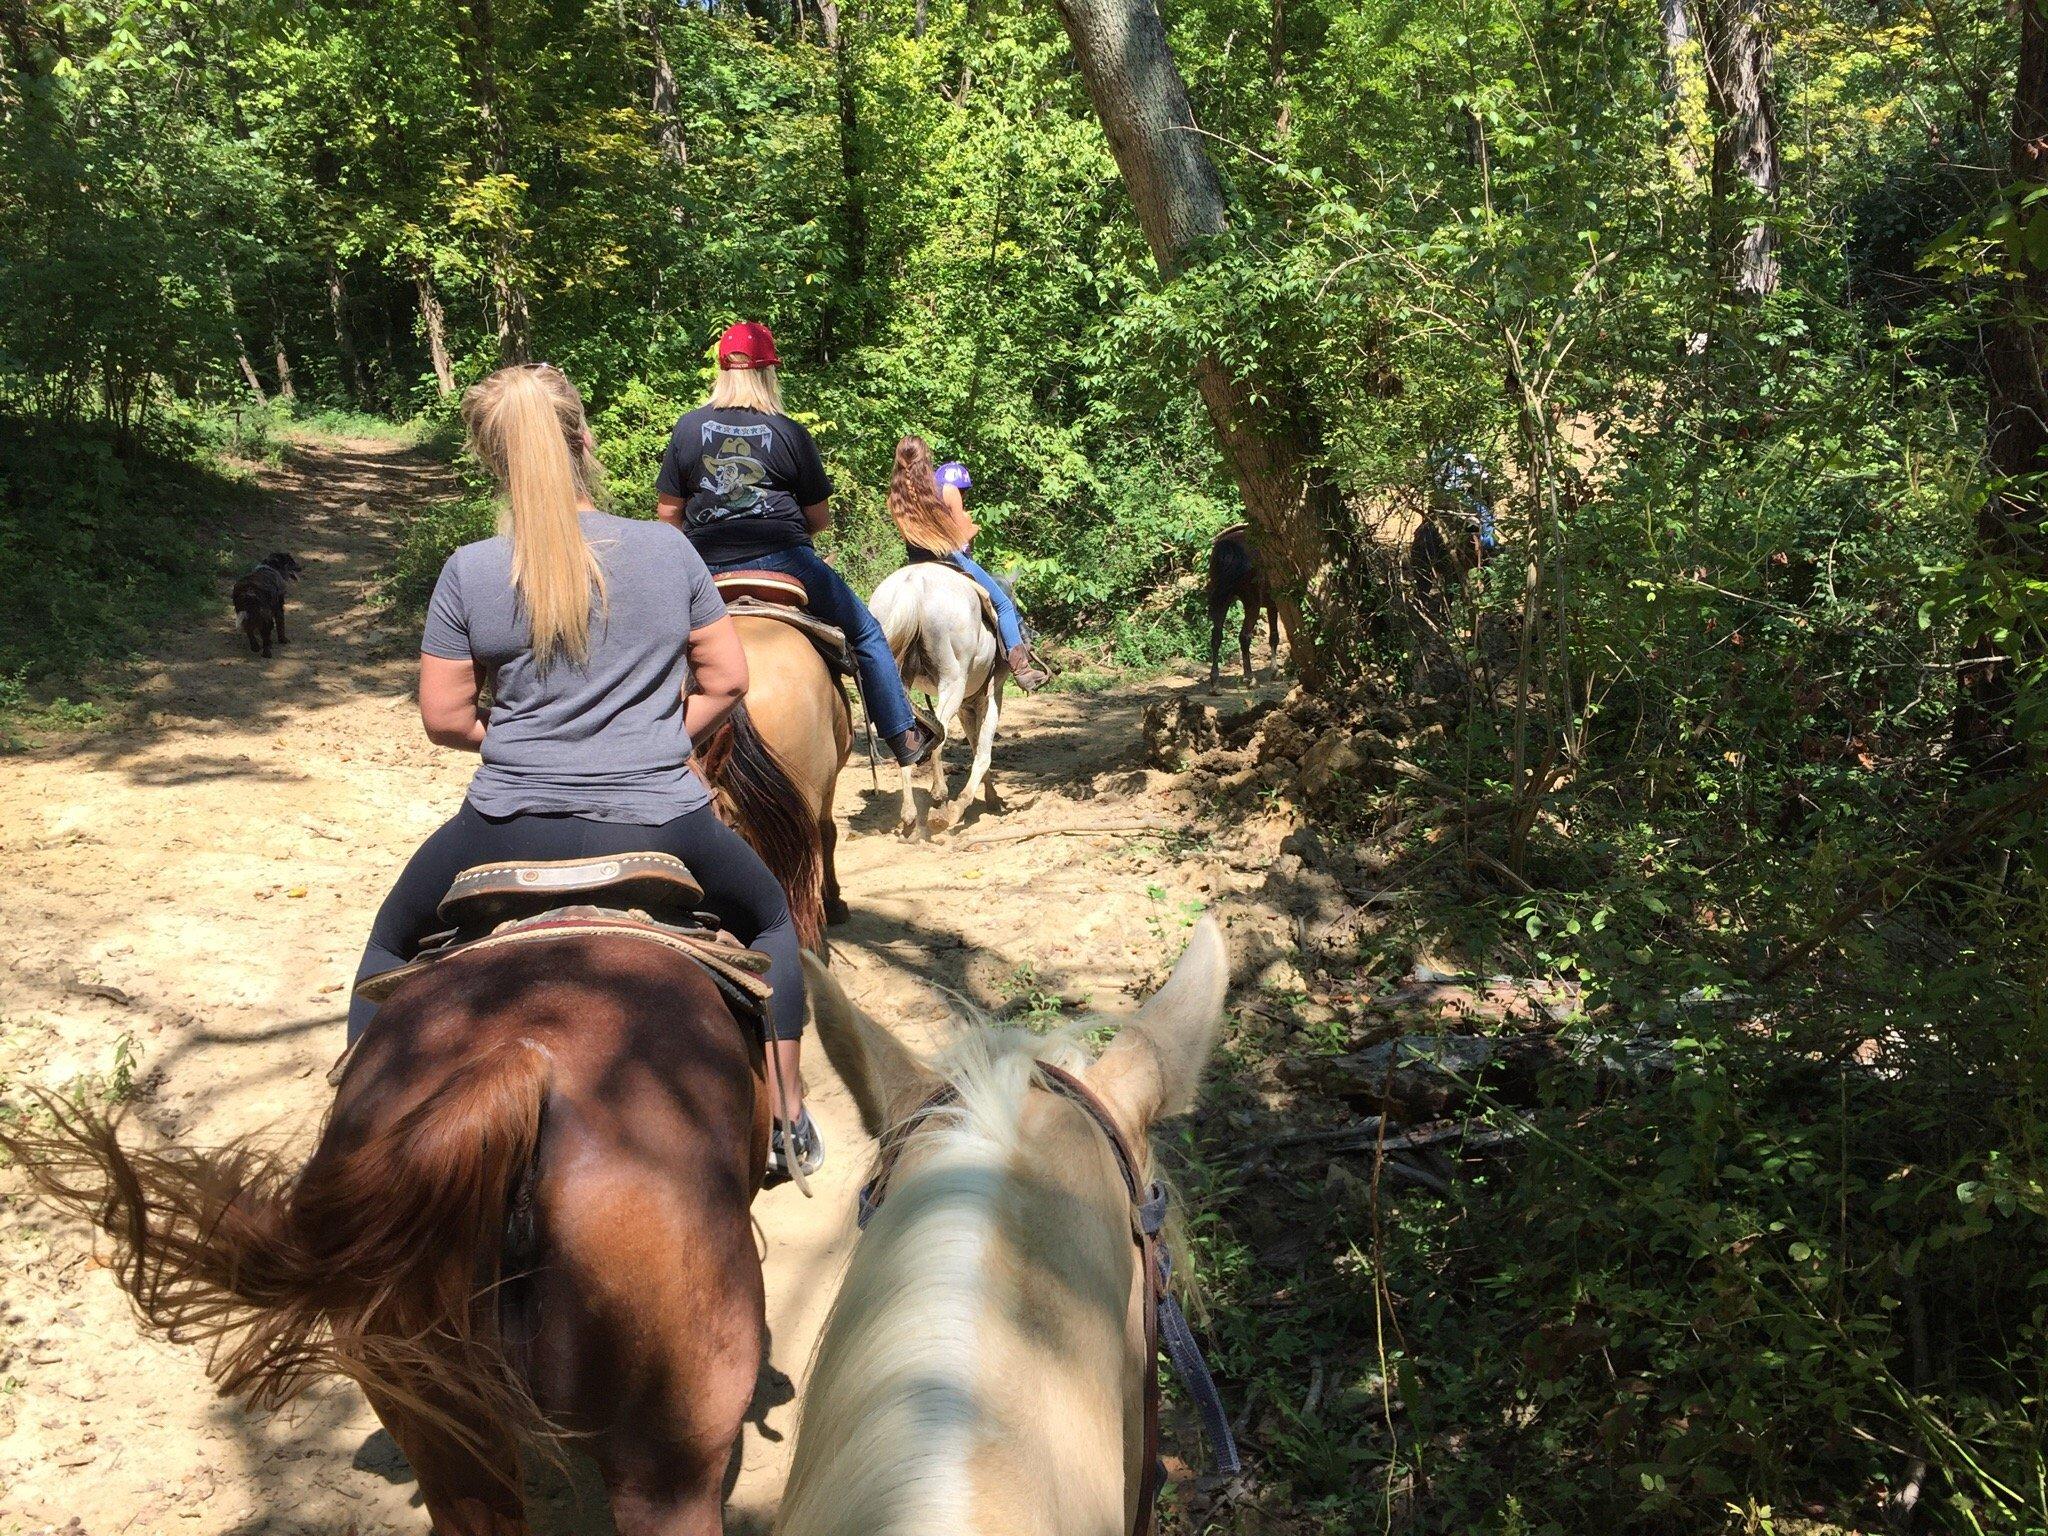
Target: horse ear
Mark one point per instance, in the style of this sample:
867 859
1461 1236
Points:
886 1081
1152 1067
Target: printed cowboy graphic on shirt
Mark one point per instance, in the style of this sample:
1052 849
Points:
744 478
734 468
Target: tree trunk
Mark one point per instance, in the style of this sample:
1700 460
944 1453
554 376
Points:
2012 525
1143 105
242 358
1276 65
434 321
668 123
344 339
1736 38
1672 69
850 301
285 391
477 37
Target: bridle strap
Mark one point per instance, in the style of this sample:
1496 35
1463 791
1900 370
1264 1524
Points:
1165 1323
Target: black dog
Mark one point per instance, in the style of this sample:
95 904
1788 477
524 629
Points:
259 600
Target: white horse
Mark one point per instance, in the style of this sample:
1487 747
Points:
984 1366
945 646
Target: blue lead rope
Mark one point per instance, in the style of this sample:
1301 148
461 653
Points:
1182 1348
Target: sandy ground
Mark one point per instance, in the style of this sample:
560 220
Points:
188 891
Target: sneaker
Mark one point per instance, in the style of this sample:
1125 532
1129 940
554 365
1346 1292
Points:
810 1148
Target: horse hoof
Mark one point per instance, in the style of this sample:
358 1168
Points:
837 912
912 832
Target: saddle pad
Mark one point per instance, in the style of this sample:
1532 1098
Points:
830 639
988 604
738 971
777 587
488 894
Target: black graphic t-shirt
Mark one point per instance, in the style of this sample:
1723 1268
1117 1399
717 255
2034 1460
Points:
744 479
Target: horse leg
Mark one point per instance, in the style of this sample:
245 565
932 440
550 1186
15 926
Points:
650 1309
951 704
828 851
995 710
1216 646
978 723
908 825
983 728
665 1455
654 1497
1273 634
466 1493
1245 631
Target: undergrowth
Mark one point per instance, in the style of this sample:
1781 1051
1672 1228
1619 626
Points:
104 542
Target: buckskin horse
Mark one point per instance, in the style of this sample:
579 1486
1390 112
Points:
525 1219
989 1362
799 716
942 632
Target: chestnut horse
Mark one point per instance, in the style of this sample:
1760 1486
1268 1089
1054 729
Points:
798 712
985 1364
526 1216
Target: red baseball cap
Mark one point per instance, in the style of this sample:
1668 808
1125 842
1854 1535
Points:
749 344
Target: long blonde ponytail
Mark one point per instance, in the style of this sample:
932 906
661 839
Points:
527 424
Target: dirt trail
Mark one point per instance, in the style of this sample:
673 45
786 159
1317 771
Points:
190 889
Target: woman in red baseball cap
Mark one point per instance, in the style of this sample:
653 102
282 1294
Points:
745 483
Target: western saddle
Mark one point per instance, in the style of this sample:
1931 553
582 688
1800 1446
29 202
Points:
652 897
780 596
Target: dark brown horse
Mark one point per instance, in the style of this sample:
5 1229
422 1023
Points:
1235 576
527 1215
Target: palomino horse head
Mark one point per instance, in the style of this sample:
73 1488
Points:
984 1366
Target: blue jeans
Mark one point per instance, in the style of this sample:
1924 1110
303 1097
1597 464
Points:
832 600
1008 624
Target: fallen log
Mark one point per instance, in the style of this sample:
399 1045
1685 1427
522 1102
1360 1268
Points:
1105 829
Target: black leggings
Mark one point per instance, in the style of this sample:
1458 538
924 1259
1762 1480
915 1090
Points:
737 887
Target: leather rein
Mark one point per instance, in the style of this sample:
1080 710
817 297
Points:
1166 1326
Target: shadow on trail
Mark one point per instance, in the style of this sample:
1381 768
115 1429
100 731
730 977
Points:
336 507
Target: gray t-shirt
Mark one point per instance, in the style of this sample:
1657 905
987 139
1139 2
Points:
604 740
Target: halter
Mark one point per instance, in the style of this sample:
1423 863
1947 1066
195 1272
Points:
1165 1324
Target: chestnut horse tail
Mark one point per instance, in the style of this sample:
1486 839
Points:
771 813
378 1261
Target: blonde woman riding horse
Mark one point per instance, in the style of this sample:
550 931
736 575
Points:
745 482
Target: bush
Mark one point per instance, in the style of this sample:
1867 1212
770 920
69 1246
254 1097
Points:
103 540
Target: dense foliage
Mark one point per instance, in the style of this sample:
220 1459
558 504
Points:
1700 706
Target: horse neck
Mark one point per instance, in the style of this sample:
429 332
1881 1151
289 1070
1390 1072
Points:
979 1371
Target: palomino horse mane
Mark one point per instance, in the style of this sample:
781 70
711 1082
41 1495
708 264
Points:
890 1396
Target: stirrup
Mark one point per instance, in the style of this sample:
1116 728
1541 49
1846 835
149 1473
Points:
810 1150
